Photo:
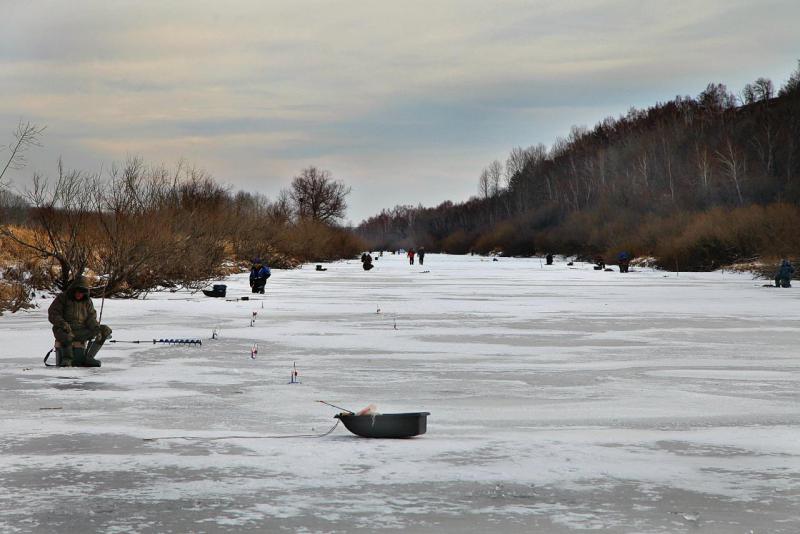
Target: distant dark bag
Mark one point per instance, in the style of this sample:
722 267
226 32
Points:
218 291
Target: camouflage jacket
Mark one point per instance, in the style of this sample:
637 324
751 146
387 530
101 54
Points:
65 310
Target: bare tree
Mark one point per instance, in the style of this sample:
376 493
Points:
764 142
703 165
317 196
15 285
484 184
489 180
26 135
733 163
280 211
716 98
133 232
60 218
667 152
643 169
792 84
748 94
516 161
763 89
495 171
519 158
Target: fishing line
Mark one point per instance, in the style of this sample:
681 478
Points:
217 438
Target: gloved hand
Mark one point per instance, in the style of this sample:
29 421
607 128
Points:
66 336
105 331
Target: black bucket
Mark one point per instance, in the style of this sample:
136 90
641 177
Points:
388 425
219 291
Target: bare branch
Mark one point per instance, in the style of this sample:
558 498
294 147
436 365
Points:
26 135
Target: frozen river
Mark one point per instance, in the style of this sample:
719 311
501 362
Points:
562 399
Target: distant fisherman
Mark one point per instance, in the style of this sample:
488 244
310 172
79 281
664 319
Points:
258 276
366 261
624 261
74 319
599 263
784 276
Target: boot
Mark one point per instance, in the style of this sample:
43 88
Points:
79 356
64 356
91 362
91 352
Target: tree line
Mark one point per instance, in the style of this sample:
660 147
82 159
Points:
140 228
648 181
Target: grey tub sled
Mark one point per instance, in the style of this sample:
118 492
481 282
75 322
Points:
387 425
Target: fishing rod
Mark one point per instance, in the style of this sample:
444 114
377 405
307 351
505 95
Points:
102 303
165 341
337 407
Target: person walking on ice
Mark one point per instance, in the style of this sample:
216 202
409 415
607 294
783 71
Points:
411 256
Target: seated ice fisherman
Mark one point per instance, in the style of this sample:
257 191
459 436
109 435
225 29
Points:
366 261
74 321
599 263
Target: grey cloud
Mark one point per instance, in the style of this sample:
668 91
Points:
383 93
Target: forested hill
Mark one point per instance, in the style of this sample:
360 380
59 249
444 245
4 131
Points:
699 182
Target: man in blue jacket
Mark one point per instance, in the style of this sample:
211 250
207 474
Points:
624 261
784 276
258 276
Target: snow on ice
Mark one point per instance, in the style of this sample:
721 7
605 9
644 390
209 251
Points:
561 398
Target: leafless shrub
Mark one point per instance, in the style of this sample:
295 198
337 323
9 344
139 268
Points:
721 237
141 228
60 217
158 228
14 296
310 240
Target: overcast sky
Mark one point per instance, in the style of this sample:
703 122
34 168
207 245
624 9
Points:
404 101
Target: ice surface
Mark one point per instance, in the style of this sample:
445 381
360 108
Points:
562 399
